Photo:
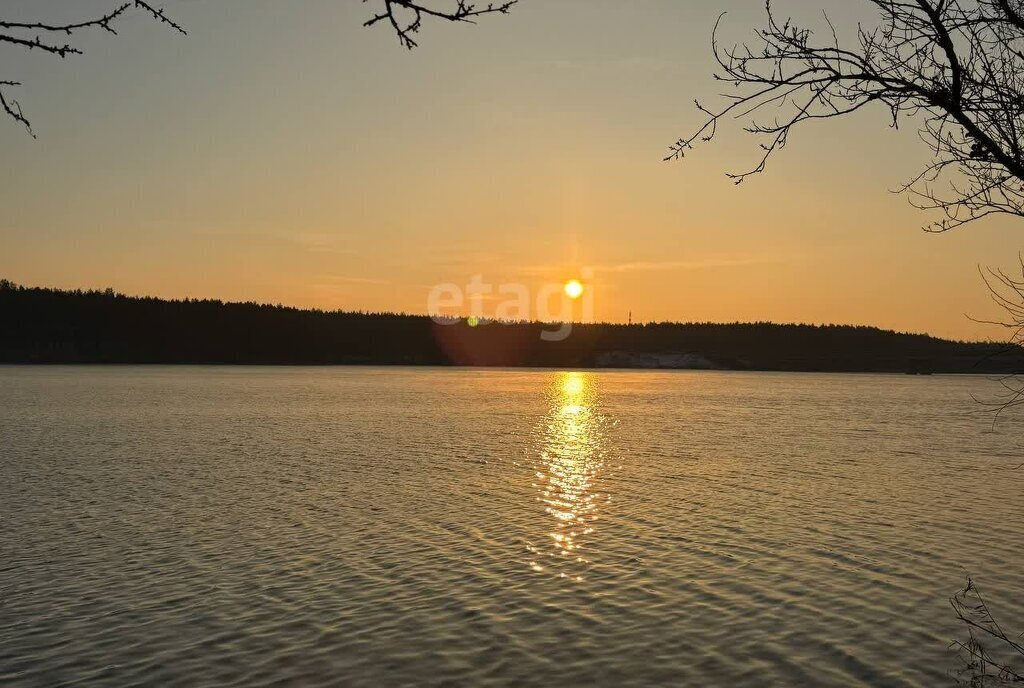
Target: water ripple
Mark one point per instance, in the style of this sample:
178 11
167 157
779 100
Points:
369 527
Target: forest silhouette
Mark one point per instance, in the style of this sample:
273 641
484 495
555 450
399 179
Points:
74 326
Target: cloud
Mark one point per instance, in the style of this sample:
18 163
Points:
699 264
332 279
658 265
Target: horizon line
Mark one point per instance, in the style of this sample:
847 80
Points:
111 292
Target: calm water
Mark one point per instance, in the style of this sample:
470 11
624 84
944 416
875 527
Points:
375 527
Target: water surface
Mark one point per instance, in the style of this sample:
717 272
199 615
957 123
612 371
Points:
190 526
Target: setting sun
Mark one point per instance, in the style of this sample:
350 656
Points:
469 372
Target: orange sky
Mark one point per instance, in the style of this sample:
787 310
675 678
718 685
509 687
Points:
296 157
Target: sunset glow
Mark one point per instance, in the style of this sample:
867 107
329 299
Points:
573 289
573 178
511 343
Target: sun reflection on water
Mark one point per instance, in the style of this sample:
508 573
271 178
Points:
572 458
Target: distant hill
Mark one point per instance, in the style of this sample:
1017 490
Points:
54 326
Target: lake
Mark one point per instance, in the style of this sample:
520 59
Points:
211 526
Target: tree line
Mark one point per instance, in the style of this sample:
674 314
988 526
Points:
42 325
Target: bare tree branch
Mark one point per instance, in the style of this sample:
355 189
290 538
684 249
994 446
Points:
20 34
13 108
956 66
990 656
406 16
1007 292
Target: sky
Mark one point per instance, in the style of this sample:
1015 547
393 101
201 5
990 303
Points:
283 153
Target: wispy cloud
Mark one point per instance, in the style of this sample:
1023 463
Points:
333 279
660 265
656 266
320 242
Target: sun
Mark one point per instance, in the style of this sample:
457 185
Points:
573 289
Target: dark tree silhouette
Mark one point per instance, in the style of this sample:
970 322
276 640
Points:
955 67
52 39
1007 291
990 654
406 16
54 326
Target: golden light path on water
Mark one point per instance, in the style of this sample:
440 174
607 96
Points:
571 463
